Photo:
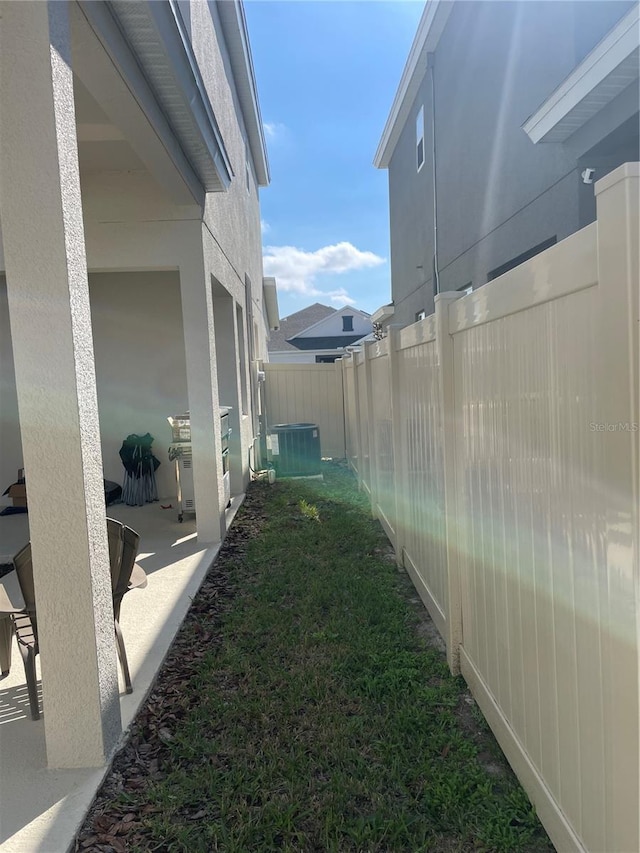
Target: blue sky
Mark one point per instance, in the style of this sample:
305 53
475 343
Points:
327 73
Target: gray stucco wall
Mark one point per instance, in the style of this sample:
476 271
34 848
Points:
232 217
499 195
132 224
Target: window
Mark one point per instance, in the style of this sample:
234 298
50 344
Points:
420 139
420 315
326 359
246 174
347 323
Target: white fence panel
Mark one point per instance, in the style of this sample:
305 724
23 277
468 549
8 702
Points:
547 469
530 507
513 491
421 499
308 393
382 437
350 418
364 468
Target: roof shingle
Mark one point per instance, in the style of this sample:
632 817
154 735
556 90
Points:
295 323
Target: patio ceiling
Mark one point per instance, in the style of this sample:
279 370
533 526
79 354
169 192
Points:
120 122
102 146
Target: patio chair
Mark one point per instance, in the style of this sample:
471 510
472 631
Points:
6 636
125 575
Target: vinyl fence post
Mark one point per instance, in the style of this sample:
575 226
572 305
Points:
357 426
618 415
341 402
371 427
399 444
444 343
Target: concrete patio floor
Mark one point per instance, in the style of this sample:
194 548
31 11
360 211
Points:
41 809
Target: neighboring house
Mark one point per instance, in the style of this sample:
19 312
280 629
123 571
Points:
318 334
132 156
533 102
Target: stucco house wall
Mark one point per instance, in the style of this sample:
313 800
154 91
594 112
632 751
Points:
233 217
131 224
10 443
498 194
131 293
140 364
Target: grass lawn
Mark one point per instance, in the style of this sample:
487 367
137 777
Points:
301 709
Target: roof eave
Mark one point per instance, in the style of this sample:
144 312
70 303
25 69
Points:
270 292
384 313
337 311
181 93
430 28
603 74
234 24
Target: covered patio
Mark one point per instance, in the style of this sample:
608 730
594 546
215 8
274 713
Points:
40 809
133 271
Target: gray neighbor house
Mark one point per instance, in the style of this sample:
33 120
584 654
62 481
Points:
511 110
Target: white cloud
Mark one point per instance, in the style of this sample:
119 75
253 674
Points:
264 226
296 270
340 297
274 130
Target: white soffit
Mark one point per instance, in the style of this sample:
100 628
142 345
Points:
430 29
611 66
271 302
234 25
163 52
383 314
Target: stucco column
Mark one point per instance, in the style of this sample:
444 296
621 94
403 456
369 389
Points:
202 385
48 297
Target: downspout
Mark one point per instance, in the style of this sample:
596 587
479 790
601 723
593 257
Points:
431 57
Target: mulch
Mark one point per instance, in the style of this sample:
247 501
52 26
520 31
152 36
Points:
110 825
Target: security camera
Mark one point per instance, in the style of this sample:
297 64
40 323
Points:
587 176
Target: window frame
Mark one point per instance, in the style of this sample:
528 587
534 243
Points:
420 139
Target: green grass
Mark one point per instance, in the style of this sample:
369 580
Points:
314 717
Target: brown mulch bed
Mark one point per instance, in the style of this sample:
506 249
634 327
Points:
110 826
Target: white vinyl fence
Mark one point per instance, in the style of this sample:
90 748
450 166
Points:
308 393
499 442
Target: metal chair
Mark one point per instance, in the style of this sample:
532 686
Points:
125 575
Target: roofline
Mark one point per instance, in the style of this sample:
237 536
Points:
432 23
549 122
337 311
234 24
270 295
156 35
318 351
385 312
